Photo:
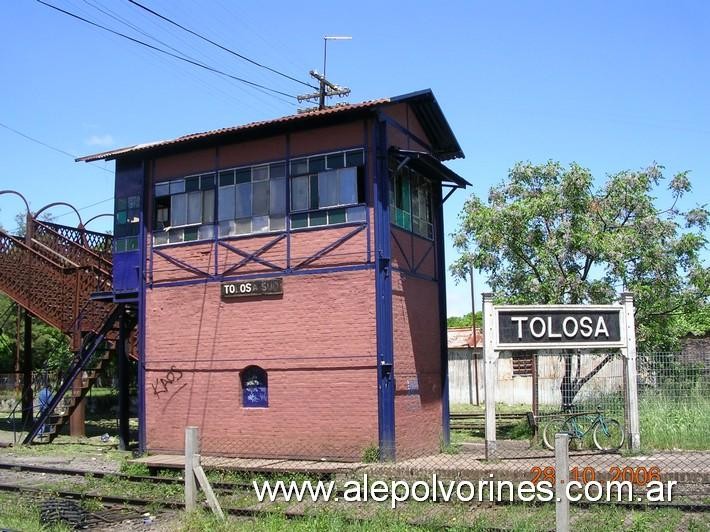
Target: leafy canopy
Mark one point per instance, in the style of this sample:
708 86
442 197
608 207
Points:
548 234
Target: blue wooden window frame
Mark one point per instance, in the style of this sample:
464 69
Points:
255 387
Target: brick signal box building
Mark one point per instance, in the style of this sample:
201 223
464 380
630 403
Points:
289 280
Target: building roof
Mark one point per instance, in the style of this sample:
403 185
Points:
462 338
424 104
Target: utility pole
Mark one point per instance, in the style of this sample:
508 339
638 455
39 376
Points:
326 89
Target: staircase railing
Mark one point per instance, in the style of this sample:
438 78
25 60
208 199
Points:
84 358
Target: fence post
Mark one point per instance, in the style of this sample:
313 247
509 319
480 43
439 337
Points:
561 481
631 384
192 448
490 374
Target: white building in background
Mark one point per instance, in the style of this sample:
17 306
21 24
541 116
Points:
515 373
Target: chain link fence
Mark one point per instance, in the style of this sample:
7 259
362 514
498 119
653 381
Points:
539 395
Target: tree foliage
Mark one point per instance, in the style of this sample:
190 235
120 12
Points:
549 234
465 321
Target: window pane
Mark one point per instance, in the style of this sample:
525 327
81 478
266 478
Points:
354 158
348 186
259 223
194 207
190 234
316 164
178 210
162 216
207 181
243 226
277 196
132 243
134 202
206 232
160 237
335 160
299 220
243 205
327 189
162 189
260 204
175 235
318 218
192 183
121 217
278 170
121 204
336 216
226 178
356 214
259 173
177 186
243 175
277 223
299 193
208 206
228 227
313 191
119 245
299 166
226 203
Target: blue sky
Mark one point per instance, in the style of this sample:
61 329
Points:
611 85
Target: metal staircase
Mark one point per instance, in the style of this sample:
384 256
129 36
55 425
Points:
53 271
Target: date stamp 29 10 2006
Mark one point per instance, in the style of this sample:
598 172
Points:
615 483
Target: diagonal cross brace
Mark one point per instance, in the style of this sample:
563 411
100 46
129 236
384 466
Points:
330 247
248 257
180 264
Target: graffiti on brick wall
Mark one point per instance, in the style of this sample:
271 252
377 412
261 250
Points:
168 382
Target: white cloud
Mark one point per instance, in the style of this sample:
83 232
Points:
100 140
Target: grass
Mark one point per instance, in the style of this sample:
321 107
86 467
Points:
669 422
670 419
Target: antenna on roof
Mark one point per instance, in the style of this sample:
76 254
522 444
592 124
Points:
327 88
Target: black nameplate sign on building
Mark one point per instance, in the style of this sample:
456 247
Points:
558 326
253 287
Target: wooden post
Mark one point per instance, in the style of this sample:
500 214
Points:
561 481
490 374
192 448
631 374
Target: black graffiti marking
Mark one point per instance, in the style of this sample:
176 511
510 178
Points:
161 384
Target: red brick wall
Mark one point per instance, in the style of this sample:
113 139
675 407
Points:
317 344
417 363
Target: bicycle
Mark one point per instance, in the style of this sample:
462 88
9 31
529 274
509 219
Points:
607 434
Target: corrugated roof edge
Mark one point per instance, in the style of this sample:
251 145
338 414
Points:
450 147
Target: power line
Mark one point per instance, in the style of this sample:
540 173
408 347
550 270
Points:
54 148
157 49
228 50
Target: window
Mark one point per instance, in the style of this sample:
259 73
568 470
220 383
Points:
327 189
255 389
252 199
410 202
126 223
522 364
184 209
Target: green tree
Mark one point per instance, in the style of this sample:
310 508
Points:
549 235
461 322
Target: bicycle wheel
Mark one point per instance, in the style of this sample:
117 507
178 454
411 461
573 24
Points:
608 435
552 427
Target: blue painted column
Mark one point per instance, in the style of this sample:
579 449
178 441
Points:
438 204
383 297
